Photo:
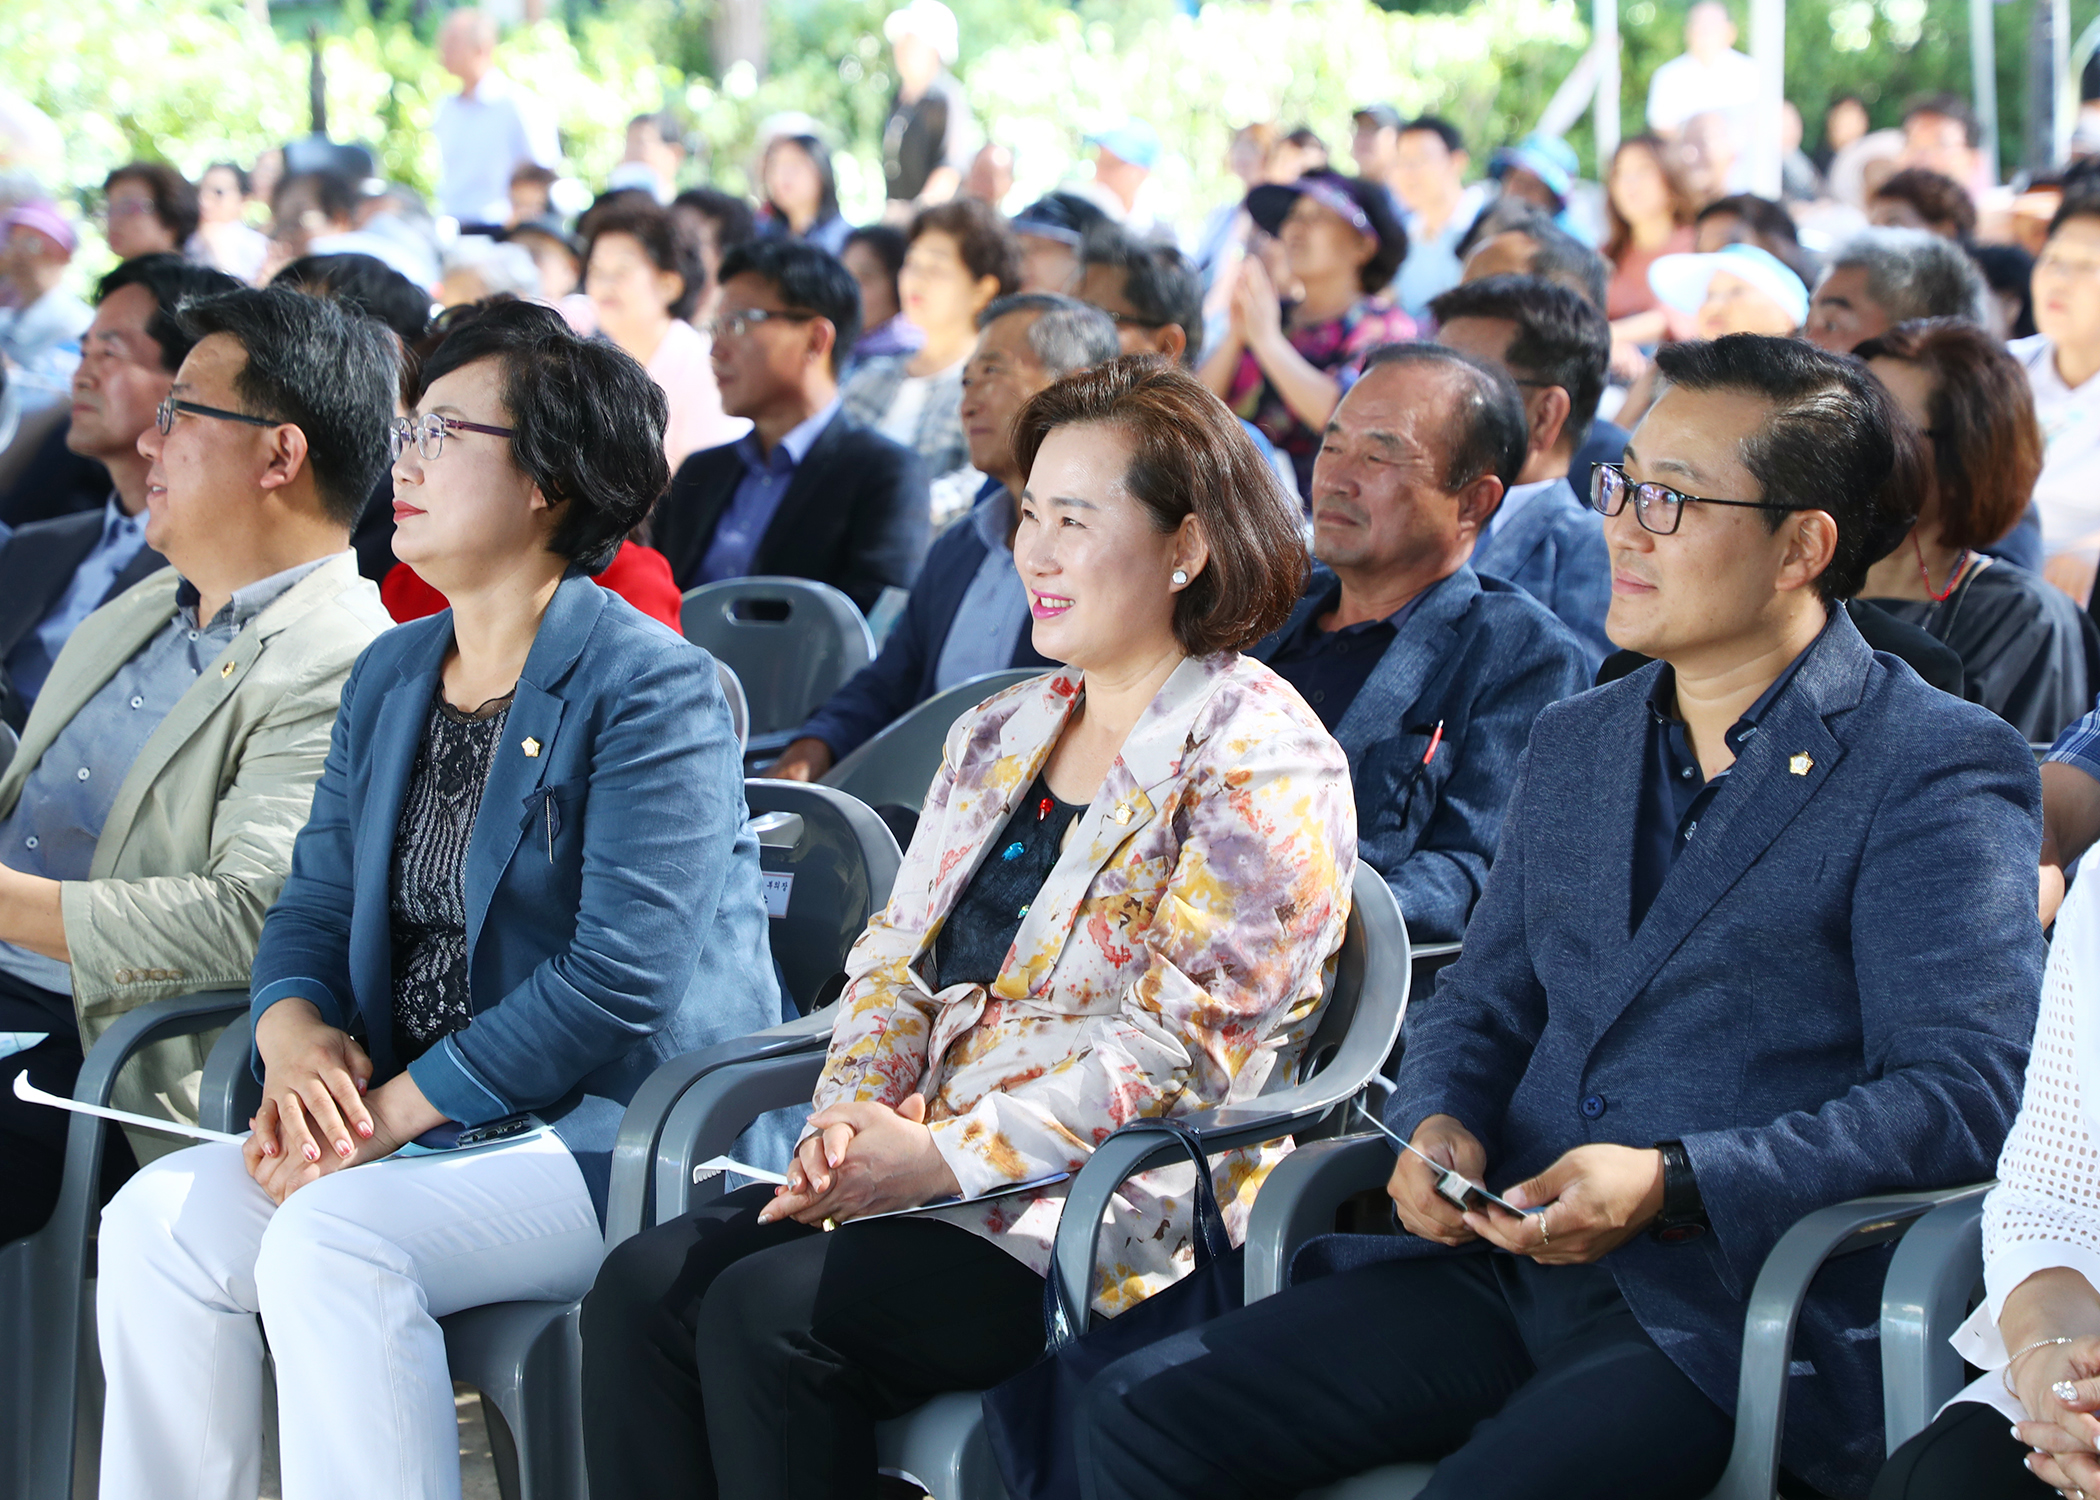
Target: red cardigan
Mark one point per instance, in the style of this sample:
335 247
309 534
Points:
640 575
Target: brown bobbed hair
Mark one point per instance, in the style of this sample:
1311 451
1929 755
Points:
982 238
1190 457
1985 441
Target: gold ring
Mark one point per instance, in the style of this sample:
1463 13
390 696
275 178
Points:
1544 1237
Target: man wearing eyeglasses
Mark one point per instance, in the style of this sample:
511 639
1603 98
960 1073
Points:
1760 938
147 820
808 492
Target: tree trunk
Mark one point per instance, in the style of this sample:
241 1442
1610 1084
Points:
740 34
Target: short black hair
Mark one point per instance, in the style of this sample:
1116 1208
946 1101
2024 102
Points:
819 156
734 222
366 283
1494 437
887 243
323 368
1950 107
1764 216
1159 282
2009 269
587 421
1564 259
335 195
1439 127
174 196
807 279
240 175
1835 441
169 280
668 246
1561 337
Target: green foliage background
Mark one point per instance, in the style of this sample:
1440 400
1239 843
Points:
193 81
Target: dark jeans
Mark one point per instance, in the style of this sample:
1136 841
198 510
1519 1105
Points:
1515 1379
1968 1453
722 1358
33 1136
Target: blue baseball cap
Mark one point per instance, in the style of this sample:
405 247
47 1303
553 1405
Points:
1547 157
1133 140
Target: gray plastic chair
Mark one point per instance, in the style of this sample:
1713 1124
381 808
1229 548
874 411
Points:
739 705
1933 1281
829 863
896 768
47 1317
9 742
791 641
1299 1199
942 1446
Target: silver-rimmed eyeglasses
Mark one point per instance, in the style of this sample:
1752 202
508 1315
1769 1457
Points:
428 434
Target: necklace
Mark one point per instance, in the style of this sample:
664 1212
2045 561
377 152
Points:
1953 577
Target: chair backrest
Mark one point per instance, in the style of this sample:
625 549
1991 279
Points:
1367 997
791 641
9 740
896 768
739 705
828 863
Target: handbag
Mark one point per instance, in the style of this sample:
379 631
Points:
1032 1419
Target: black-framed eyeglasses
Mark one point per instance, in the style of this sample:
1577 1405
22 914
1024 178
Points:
735 325
428 434
1656 506
164 415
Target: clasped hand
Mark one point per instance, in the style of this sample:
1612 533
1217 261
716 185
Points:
2064 1433
1596 1198
315 1117
865 1158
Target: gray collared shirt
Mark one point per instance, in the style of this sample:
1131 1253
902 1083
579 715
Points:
994 608
68 795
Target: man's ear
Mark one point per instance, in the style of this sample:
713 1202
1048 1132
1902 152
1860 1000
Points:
1477 504
1548 410
823 334
285 457
1172 340
1812 537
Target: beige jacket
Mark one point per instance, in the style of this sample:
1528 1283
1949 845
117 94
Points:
199 840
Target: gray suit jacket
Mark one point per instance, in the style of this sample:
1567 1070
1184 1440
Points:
1480 657
1553 549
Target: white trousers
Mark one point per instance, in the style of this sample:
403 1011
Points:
349 1276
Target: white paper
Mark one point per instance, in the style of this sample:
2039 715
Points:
716 1164
12 1042
777 886
26 1090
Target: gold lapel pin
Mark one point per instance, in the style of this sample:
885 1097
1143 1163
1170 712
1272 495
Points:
1801 764
531 747
226 669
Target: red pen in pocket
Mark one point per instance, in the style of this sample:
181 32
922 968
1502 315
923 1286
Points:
1436 738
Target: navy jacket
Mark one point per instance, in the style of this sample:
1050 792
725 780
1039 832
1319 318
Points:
855 514
1482 657
1553 549
642 935
901 677
1832 995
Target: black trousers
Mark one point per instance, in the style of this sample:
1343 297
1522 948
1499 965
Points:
723 1358
1968 1453
33 1136
1515 1379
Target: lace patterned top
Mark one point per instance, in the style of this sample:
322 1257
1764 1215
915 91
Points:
2045 1211
428 907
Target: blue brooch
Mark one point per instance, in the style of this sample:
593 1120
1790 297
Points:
1014 850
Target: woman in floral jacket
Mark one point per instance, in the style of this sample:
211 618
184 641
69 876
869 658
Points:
1126 890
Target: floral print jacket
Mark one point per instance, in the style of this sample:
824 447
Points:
1173 961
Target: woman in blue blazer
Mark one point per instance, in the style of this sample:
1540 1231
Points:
526 881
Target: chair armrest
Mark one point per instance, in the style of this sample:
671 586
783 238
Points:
1298 1201
716 1110
230 1094
1775 1306
140 1028
634 1150
1936 1271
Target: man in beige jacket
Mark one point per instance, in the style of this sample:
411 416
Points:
146 823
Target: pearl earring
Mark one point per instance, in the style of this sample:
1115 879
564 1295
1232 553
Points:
1181 575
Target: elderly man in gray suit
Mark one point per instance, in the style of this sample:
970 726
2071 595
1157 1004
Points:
1760 938
1427 673
1543 537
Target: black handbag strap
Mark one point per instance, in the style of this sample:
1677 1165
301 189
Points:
1063 1312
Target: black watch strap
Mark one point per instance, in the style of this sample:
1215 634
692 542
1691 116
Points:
1683 1215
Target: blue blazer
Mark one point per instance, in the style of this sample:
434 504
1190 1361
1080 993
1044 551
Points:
901 677
641 935
1832 995
1553 549
1481 657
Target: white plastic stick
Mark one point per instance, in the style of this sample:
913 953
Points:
24 1089
716 1164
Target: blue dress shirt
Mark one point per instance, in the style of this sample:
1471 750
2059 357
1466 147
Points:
994 608
66 798
758 495
123 537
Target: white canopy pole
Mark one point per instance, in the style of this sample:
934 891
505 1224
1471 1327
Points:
1768 51
1605 44
1983 70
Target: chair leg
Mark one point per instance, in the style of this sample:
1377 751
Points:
526 1359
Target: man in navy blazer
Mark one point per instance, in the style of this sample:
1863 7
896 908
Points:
968 613
1760 937
808 492
1543 537
1427 673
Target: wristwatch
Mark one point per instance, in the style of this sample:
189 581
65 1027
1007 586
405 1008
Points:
1683 1215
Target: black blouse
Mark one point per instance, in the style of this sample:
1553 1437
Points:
979 933
428 907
